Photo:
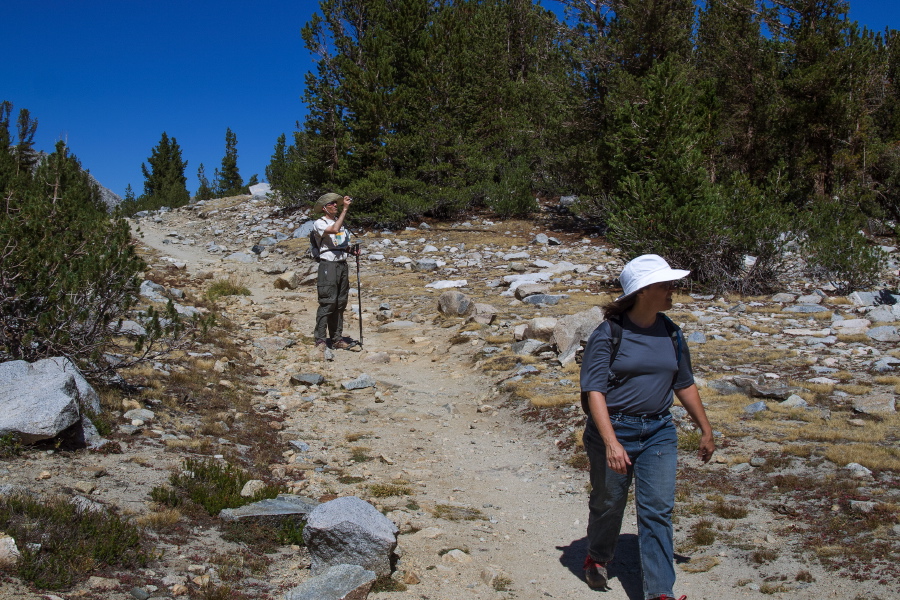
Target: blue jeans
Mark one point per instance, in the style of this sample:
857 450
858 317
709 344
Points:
652 446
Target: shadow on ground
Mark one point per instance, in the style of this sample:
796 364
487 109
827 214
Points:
625 567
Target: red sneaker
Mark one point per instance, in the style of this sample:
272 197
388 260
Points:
594 573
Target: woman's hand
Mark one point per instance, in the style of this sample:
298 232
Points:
616 458
707 447
690 400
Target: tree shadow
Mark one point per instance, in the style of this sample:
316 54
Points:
626 566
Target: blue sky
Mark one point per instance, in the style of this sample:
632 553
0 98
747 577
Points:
109 76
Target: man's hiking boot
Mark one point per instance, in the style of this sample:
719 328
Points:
670 598
321 345
345 344
594 573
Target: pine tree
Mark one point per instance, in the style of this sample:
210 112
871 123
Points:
229 182
26 157
67 271
164 182
204 192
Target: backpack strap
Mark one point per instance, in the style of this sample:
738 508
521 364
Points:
615 340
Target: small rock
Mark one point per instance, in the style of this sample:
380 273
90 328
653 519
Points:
875 404
794 401
752 409
252 488
363 381
9 552
456 557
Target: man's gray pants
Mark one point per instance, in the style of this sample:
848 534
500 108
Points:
334 289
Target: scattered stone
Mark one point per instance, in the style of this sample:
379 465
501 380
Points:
885 333
9 552
760 388
241 257
287 281
804 308
307 379
252 488
456 556
810 299
757 461
794 401
529 347
349 531
41 400
547 299
875 404
363 381
529 289
573 330
484 313
540 328
752 409
340 582
443 285
696 337
862 506
455 304
284 506
140 414
858 471
784 298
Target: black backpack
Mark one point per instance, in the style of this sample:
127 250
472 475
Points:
315 249
615 340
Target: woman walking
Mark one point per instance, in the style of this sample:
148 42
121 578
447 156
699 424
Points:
633 363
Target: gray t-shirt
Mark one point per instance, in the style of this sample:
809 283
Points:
644 368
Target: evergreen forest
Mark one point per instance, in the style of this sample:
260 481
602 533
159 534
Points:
716 133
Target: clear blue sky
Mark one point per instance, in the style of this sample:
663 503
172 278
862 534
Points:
109 76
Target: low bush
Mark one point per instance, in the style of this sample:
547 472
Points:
209 484
61 544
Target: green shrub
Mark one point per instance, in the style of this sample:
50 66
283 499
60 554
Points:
67 270
209 484
62 545
10 446
836 249
226 287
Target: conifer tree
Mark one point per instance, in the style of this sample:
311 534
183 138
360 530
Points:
204 192
229 182
164 182
67 271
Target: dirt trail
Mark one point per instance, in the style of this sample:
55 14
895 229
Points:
423 424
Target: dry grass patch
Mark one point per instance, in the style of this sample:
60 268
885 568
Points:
159 520
816 388
855 338
457 513
700 564
837 431
506 362
386 490
854 389
887 380
870 456
538 395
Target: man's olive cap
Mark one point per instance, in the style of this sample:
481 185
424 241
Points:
327 199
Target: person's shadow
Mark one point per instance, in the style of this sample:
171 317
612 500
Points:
626 566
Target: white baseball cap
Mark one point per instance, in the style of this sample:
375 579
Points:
645 270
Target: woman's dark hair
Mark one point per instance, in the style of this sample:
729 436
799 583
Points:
619 306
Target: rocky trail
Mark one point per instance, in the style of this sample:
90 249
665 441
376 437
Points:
492 506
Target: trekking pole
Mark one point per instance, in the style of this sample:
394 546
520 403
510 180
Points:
359 297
